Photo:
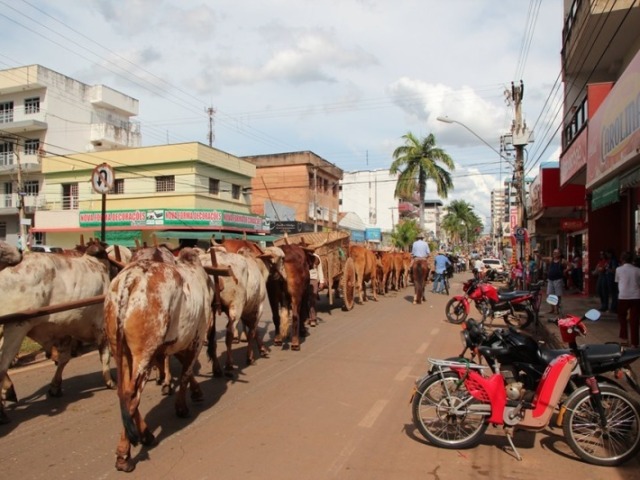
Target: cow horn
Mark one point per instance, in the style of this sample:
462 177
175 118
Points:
286 239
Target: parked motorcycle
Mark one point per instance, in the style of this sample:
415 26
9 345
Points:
518 308
493 275
523 359
453 407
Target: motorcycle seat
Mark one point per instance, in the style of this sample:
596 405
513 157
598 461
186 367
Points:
548 354
602 352
506 296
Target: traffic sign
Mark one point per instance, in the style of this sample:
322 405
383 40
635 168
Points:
520 234
102 179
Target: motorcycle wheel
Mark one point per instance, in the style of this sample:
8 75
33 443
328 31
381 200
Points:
442 415
614 445
455 311
522 318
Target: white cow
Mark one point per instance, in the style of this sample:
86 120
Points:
36 280
242 296
155 308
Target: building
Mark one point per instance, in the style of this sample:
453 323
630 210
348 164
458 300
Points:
182 192
296 190
601 129
370 195
498 213
42 114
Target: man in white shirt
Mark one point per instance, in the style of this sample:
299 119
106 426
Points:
627 277
316 283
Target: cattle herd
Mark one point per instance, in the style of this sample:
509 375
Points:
144 306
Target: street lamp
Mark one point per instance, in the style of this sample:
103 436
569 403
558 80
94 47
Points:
450 120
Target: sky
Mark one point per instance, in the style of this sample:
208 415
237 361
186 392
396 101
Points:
345 79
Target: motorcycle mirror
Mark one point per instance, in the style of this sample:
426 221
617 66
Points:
553 300
592 315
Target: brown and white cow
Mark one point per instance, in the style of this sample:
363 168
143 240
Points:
35 280
154 309
366 268
242 297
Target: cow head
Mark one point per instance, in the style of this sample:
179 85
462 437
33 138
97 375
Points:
9 255
273 258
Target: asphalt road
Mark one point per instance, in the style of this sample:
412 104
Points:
337 409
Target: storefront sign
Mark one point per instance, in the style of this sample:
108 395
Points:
574 158
614 130
373 234
572 224
172 218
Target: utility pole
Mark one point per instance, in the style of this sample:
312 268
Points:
315 199
21 194
521 137
211 136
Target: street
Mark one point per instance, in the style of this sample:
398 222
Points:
337 409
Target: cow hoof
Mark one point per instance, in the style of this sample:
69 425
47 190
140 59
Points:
277 343
148 439
217 373
264 353
166 390
414 302
55 392
125 465
111 385
295 348
197 396
10 395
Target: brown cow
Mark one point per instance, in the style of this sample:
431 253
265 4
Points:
288 294
385 271
421 269
154 309
365 264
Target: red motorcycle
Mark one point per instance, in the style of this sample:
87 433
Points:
518 308
453 406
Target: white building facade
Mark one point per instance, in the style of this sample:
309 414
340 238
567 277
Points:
369 194
44 113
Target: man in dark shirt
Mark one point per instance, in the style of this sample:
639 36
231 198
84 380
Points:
555 278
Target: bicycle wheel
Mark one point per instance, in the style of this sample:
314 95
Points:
612 445
455 311
443 412
446 285
521 319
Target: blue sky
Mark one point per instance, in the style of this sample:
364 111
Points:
342 78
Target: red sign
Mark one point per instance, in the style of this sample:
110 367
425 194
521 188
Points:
574 158
572 224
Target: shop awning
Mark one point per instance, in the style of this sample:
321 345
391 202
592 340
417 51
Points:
125 238
631 179
205 235
606 194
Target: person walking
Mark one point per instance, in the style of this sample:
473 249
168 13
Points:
555 278
627 277
612 265
316 283
602 288
441 263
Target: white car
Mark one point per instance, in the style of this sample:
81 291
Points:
46 248
494 264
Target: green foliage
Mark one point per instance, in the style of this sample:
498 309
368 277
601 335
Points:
404 234
461 223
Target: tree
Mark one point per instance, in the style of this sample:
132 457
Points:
404 234
418 161
461 222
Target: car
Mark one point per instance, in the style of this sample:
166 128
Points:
494 264
46 249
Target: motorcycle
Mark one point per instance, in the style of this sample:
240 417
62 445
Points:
493 275
518 308
523 359
453 407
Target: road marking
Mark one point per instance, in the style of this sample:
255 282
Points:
423 348
373 414
435 332
403 373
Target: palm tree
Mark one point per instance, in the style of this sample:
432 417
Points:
404 234
461 221
418 161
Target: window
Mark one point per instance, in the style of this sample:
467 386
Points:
214 186
235 192
6 112
69 196
6 153
31 147
166 183
118 186
3 231
31 105
8 194
32 188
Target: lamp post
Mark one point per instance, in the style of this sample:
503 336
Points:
446 119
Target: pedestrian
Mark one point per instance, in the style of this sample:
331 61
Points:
612 264
441 263
555 278
576 271
627 277
478 268
602 288
316 283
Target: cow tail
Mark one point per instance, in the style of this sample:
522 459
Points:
125 371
